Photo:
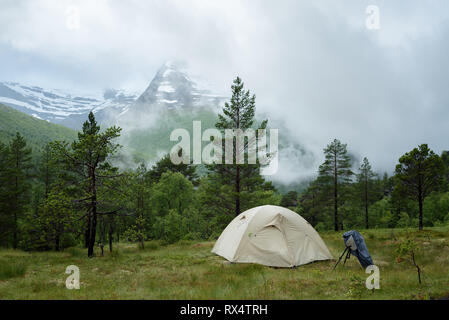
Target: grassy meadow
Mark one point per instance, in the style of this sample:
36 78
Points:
188 270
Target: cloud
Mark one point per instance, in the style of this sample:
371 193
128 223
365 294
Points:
311 63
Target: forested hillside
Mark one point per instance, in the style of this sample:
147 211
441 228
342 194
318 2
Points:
36 132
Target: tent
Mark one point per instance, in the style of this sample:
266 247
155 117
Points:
271 236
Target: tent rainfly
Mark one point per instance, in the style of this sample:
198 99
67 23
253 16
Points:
271 236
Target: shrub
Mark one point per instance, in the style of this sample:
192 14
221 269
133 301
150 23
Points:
408 249
404 220
169 227
356 287
320 227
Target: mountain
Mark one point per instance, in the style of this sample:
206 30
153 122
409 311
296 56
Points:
172 88
60 107
173 100
36 132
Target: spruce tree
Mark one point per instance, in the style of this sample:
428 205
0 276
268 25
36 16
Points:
17 184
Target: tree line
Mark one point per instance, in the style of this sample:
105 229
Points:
75 195
340 198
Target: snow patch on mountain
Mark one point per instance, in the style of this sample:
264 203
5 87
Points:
166 88
60 107
172 88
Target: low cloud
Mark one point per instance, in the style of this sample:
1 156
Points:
312 64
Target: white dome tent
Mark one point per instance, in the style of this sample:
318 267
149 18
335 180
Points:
271 236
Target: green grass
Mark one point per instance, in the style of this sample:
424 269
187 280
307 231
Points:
188 270
12 265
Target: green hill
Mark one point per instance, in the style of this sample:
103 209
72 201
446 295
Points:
36 132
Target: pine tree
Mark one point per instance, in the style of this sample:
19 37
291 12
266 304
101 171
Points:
365 181
234 186
418 173
88 159
336 170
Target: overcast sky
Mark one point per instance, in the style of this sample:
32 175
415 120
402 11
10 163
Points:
313 63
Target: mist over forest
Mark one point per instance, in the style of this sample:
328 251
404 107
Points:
116 122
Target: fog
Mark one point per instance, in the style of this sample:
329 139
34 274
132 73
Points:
313 65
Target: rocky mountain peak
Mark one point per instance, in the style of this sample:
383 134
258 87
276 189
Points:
172 88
